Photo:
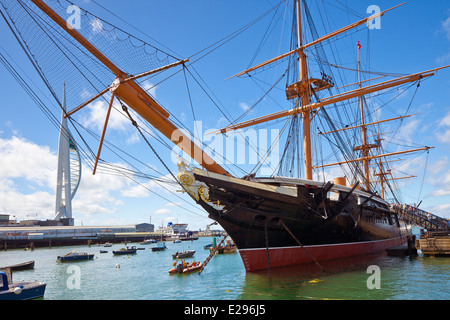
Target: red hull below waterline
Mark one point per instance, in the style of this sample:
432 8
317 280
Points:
256 259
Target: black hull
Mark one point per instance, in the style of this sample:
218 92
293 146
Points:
259 218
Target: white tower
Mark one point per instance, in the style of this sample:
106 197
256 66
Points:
67 182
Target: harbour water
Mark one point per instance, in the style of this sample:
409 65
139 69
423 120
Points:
144 276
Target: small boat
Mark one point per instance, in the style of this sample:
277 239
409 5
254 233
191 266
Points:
177 241
193 267
225 249
75 256
20 290
161 246
183 254
107 244
208 246
148 241
103 251
122 251
230 247
21 266
140 248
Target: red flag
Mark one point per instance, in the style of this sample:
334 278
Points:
358 45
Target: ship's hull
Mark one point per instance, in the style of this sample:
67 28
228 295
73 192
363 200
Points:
276 224
257 259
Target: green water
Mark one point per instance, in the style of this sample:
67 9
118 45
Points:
144 276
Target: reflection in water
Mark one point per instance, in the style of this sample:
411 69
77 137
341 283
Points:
341 279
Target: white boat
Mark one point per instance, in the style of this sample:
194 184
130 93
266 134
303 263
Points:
148 241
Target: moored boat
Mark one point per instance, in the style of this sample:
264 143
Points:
225 249
229 247
161 246
183 254
20 290
148 241
21 266
127 250
75 256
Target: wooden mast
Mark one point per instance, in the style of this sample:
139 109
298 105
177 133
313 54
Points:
364 147
304 97
125 89
381 174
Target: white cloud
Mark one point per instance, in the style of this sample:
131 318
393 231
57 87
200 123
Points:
443 132
97 114
244 106
95 193
28 182
96 26
408 130
137 191
20 158
24 168
440 177
145 189
446 27
173 204
162 211
149 87
441 210
445 121
37 205
443 59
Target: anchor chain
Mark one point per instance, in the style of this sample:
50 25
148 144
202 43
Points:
267 249
301 245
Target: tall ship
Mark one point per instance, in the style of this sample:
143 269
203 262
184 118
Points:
277 220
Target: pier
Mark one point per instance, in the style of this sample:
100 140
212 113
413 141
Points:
434 242
55 236
435 239
422 218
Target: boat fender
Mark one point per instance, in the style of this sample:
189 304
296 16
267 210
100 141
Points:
18 290
117 266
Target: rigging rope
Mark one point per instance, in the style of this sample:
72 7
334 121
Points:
423 178
125 109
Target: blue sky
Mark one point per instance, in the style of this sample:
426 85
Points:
412 38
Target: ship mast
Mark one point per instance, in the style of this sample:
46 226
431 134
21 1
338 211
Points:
364 147
304 96
301 92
